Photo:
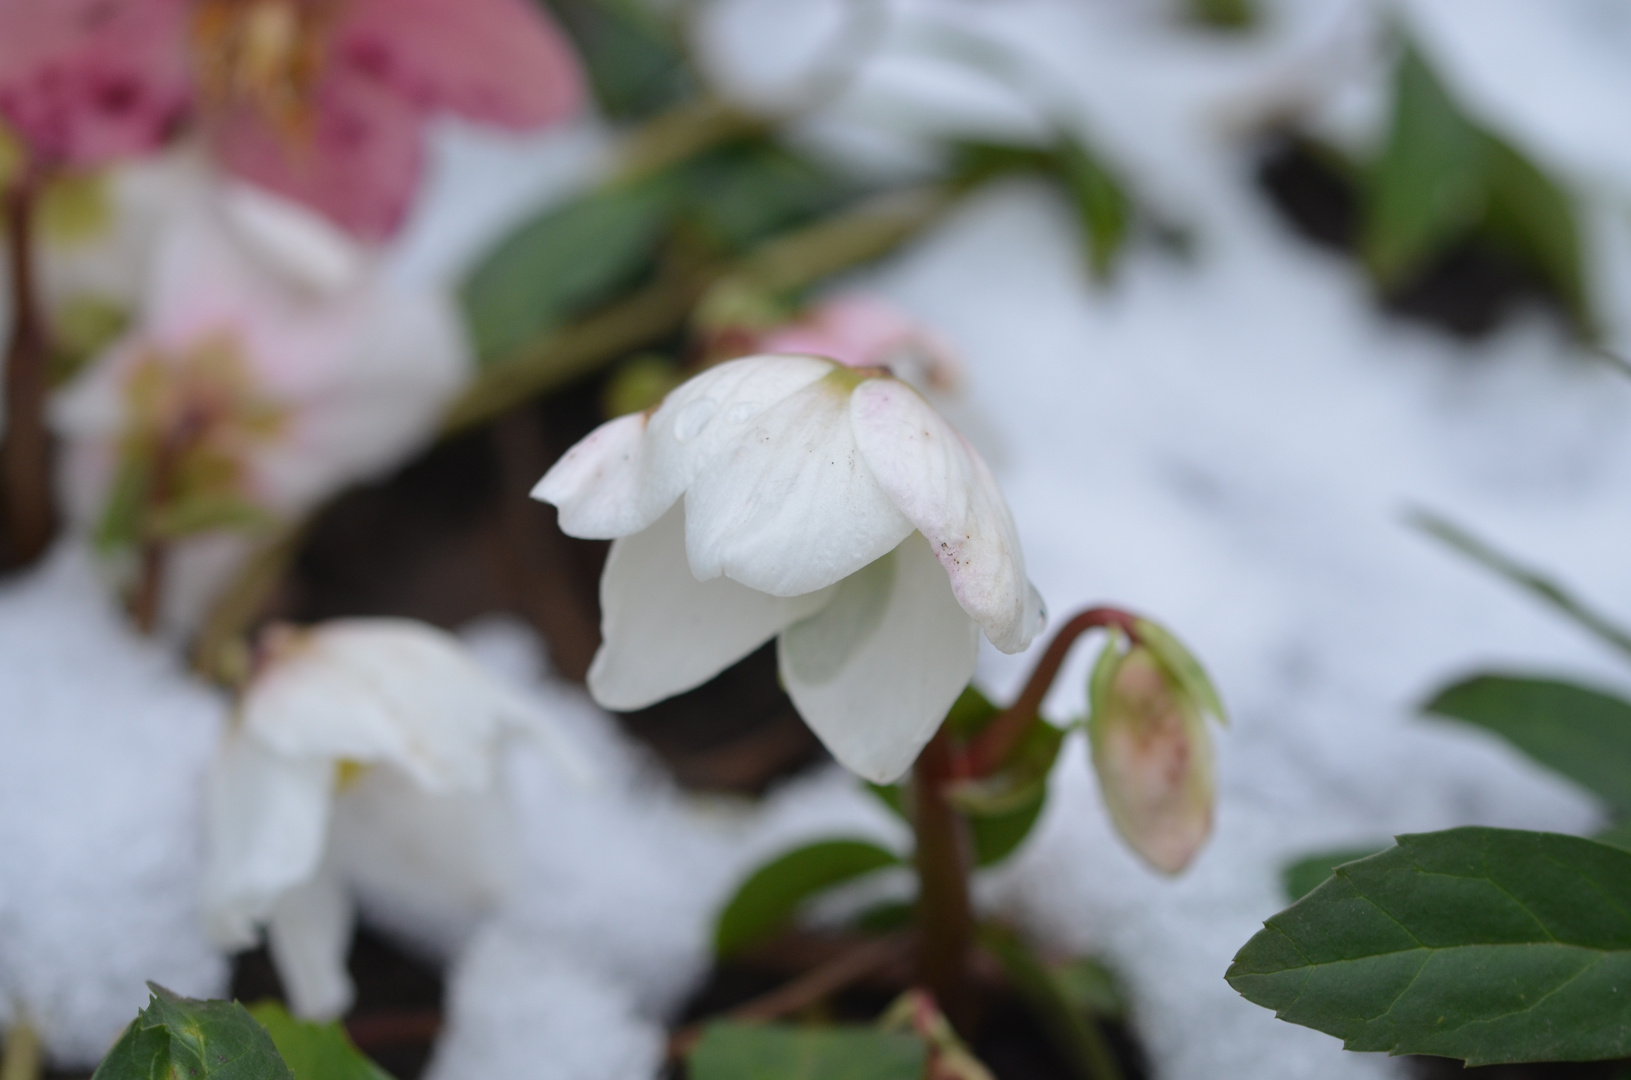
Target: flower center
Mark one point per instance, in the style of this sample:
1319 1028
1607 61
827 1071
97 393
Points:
266 54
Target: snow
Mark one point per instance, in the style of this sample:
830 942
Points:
103 745
1228 442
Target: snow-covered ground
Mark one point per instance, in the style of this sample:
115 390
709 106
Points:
1227 441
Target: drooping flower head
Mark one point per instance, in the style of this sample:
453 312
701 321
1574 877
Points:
827 506
385 728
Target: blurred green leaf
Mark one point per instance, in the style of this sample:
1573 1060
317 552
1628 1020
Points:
1223 14
566 260
997 836
632 54
885 917
315 1051
1101 204
1584 734
640 382
81 327
177 1037
1055 1003
1489 945
1531 216
773 892
1303 876
1021 780
970 713
121 524
730 1051
205 513
743 192
1430 185
1531 581
1091 987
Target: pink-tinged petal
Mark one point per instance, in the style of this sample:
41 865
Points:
664 631
943 488
358 164
86 81
874 672
596 484
861 331
500 61
790 506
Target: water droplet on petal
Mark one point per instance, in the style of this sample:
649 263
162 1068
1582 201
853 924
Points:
741 412
693 417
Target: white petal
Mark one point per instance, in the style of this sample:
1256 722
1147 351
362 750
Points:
937 480
596 484
875 671
292 240
791 506
308 937
664 631
267 817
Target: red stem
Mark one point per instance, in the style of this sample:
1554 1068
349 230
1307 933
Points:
25 448
945 918
991 747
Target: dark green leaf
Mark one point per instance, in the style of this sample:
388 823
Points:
1303 876
177 1037
885 917
1223 14
730 1051
315 1051
770 896
1022 780
969 713
997 836
1054 1002
1430 185
1091 987
1582 733
1531 581
565 261
1101 203
1532 217
634 56
1490 945
1618 836
742 193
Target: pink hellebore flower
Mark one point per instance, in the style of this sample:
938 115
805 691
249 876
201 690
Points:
325 101
863 331
829 507
86 81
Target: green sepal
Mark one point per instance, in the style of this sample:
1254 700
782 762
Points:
1183 667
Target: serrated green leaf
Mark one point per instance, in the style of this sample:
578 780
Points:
729 1051
196 1040
1430 185
315 1051
1303 876
565 261
772 893
1489 945
1584 734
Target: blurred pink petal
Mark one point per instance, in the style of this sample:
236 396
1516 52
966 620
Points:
860 331
85 81
389 65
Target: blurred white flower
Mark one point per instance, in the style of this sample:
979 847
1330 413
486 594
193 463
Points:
241 388
793 496
364 755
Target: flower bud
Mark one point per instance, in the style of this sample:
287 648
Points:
1151 748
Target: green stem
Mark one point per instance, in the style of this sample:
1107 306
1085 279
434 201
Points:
25 448
945 916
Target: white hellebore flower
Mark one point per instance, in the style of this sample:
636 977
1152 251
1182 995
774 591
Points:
363 760
793 496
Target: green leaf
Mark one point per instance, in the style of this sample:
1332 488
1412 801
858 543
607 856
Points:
1490 945
1430 186
1054 1002
729 1051
1101 204
772 893
1303 876
1531 581
122 516
742 193
196 1040
1003 808
1532 217
564 261
315 1051
997 836
633 56
1223 14
1584 734
970 713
